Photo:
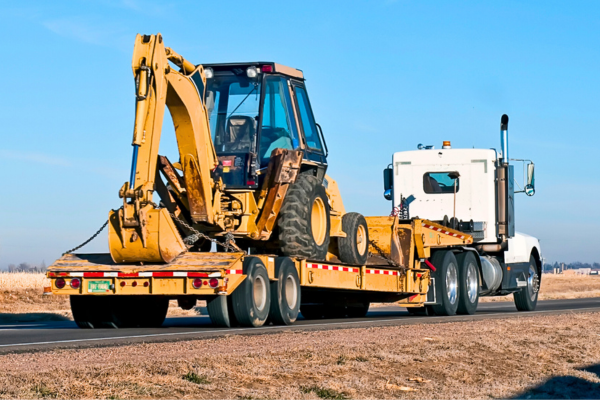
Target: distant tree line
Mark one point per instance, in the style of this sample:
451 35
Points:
573 265
26 267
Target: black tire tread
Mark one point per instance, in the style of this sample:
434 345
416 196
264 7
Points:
347 245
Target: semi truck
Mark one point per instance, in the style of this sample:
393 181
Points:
249 221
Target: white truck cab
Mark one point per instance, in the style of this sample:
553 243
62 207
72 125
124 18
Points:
472 190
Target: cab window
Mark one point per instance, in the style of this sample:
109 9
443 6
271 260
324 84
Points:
439 182
278 126
313 141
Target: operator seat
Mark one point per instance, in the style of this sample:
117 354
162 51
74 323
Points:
431 185
241 130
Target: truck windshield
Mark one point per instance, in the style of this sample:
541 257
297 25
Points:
232 102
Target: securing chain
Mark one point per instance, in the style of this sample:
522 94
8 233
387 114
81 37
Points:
87 241
381 254
196 235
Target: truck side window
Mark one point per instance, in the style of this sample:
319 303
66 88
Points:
439 182
278 128
311 135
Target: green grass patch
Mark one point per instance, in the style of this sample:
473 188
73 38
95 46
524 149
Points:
324 393
195 378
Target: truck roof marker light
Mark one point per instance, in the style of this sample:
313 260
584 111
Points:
267 68
60 283
446 144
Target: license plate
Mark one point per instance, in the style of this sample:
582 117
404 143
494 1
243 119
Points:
99 286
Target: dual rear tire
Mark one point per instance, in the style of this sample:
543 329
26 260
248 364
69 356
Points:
456 283
257 300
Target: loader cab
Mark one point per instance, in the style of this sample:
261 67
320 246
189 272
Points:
255 108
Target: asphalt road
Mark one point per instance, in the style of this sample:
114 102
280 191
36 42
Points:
19 337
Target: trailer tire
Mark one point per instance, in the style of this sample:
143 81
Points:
83 310
252 299
424 311
446 283
358 310
354 248
285 293
526 299
304 219
312 311
147 312
468 283
218 311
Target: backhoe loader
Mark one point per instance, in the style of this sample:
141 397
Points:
251 172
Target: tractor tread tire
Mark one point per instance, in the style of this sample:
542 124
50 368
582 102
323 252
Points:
294 222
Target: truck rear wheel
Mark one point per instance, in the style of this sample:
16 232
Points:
304 219
252 299
468 283
354 247
446 283
526 299
285 293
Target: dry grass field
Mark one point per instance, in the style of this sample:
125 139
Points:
525 357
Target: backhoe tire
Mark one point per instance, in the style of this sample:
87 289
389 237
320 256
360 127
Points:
468 283
304 220
354 248
526 299
285 293
252 298
446 283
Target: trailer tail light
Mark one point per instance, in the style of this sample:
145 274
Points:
197 283
123 284
134 284
146 284
60 283
75 283
214 282
267 68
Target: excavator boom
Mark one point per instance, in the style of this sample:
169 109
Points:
139 231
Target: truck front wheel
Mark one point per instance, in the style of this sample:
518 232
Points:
446 283
526 299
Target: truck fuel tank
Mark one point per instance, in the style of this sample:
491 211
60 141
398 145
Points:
491 272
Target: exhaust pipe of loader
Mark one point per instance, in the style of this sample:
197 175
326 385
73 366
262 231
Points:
504 138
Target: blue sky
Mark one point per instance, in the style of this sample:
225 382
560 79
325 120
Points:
383 76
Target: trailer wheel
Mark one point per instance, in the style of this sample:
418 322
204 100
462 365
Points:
218 311
354 247
252 299
146 311
285 293
424 311
526 299
446 283
468 286
84 312
312 311
304 219
358 310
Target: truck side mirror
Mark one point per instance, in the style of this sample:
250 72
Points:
530 186
388 182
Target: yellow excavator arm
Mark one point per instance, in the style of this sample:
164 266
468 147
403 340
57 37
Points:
139 231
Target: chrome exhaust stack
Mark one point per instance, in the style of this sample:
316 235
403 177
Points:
504 138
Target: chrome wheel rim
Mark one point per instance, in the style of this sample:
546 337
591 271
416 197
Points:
291 292
472 282
260 293
533 283
452 283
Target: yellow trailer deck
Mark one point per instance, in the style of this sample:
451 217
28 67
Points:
399 268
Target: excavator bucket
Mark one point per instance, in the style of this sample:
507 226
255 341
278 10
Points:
156 239
385 239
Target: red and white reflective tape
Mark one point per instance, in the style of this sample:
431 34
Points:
234 272
435 228
155 274
382 272
332 268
